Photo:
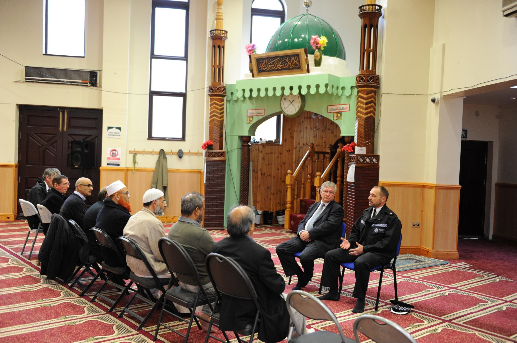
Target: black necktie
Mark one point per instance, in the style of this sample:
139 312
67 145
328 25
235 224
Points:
373 212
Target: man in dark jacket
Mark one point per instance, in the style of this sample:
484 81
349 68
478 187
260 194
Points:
258 265
373 242
56 196
90 218
318 233
113 217
39 192
74 206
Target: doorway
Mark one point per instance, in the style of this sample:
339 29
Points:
473 178
44 142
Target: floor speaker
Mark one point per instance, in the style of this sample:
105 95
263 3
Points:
81 154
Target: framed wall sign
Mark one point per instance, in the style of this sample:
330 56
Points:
288 62
338 108
256 112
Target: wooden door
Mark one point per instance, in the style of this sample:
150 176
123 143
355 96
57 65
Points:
473 174
44 142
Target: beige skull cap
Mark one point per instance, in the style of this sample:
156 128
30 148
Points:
152 194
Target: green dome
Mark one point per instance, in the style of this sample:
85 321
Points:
296 33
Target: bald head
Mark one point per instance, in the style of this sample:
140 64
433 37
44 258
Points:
84 186
239 221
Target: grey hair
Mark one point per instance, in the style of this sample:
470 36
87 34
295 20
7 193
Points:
191 201
50 172
102 194
238 223
329 184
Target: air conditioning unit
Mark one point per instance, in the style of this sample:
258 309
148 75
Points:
510 8
75 77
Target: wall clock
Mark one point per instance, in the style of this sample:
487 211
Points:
292 105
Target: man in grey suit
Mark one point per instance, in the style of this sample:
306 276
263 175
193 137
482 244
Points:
318 232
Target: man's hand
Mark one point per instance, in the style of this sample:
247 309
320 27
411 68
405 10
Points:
357 251
345 244
304 236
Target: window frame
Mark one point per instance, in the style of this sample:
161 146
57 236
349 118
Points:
184 5
273 14
45 47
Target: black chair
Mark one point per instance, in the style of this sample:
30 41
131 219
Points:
180 263
86 260
380 330
122 273
229 279
391 265
313 308
29 211
144 284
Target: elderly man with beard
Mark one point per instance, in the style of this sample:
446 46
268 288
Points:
188 232
113 217
146 230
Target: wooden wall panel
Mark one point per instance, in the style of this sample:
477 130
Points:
271 162
446 222
505 216
406 201
9 191
427 227
180 182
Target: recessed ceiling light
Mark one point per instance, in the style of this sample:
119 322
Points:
513 98
513 87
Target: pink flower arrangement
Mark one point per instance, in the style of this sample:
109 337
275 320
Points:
349 147
318 42
251 48
207 145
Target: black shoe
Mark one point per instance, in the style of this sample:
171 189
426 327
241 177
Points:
332 295
359 306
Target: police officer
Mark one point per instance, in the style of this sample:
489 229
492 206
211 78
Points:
373 242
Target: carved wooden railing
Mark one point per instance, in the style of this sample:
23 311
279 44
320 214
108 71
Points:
305 187
318 180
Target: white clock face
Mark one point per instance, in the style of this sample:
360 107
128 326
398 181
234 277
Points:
291 104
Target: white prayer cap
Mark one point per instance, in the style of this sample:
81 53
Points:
152 194
115 187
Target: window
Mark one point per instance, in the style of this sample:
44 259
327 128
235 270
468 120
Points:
64 27
168 79
266 18
270 130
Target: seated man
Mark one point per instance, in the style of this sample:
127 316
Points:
146 230
373 242
39 192
188 231
113 217
318 233
256 261
56 195
90 217
74 206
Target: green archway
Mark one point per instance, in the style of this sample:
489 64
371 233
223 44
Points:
320 91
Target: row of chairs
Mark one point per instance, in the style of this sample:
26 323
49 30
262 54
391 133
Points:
44 216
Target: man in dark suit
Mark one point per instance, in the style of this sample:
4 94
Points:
39 192
56 196
256 261
373 242
318 232
74 206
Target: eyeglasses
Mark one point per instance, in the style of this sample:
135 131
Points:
329 192
125 193
89 185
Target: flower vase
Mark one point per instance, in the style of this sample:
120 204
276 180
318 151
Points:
318 56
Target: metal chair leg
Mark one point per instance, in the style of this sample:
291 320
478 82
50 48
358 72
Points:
33 242
379 290
26 239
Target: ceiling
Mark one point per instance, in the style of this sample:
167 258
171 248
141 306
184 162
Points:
499 94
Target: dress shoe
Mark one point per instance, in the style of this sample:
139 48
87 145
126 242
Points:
332 295
359 306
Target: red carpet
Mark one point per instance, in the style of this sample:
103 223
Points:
469 300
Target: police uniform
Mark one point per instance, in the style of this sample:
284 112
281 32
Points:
379 237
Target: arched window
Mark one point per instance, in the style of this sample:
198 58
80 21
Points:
266 18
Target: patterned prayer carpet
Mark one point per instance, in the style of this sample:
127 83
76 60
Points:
410 261
453 302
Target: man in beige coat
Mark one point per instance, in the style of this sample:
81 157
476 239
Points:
146 230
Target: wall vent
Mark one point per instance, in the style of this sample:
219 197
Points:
75 77
510 8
